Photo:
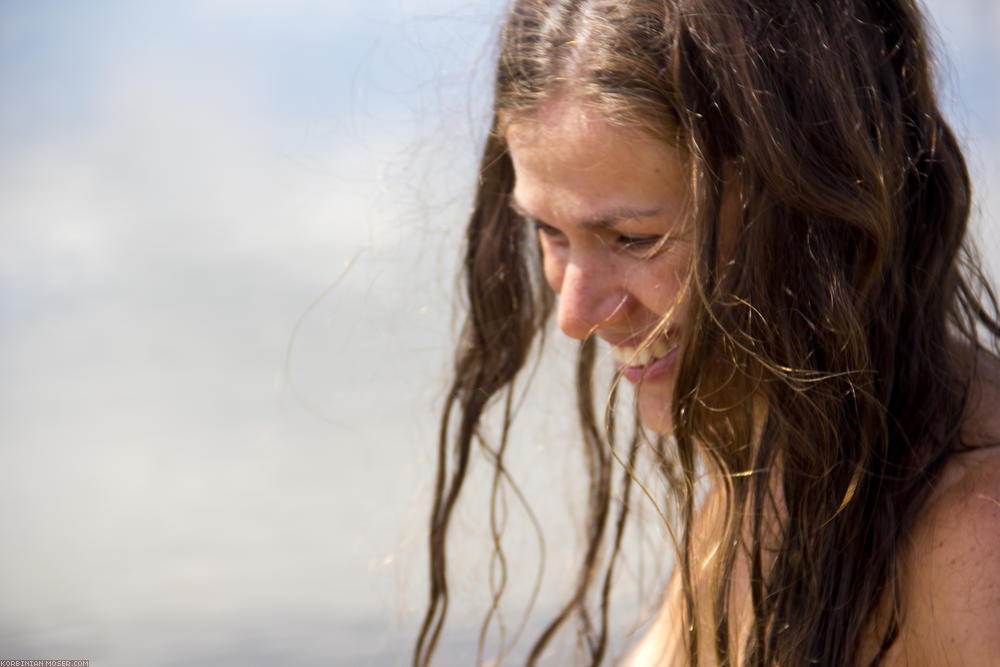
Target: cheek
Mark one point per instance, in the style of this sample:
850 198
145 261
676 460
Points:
663 286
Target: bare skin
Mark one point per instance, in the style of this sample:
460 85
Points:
601 199
950 569
610 209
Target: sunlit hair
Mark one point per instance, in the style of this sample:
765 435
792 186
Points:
828 357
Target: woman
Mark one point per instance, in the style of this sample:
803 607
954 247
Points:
758 206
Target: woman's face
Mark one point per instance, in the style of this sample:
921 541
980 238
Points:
612 211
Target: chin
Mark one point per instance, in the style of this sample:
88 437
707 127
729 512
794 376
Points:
655 410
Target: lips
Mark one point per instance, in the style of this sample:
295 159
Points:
648 363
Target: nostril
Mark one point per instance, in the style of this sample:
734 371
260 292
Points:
619 307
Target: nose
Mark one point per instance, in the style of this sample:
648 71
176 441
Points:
590 296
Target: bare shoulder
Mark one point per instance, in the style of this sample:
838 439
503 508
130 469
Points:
982 423
951 575
951 568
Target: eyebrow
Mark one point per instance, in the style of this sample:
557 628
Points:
600 221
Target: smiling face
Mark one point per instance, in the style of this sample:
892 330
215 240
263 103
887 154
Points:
612 211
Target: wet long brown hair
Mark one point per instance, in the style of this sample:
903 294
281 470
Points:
826 367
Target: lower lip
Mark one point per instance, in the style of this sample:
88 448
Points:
653 371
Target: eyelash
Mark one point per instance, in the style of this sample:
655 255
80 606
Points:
637 241
625 241
541 227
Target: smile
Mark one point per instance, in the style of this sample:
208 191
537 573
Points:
630 357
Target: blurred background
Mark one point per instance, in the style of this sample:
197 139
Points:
228 237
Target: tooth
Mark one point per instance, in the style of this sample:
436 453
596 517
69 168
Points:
660 348
627 354
618 354
643 356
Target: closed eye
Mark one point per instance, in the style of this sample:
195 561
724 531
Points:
637 241
547 230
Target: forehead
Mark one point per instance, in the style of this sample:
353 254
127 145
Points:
570 130
571 161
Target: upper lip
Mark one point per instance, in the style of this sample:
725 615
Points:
636 340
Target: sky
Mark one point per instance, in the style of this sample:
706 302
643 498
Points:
227 257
